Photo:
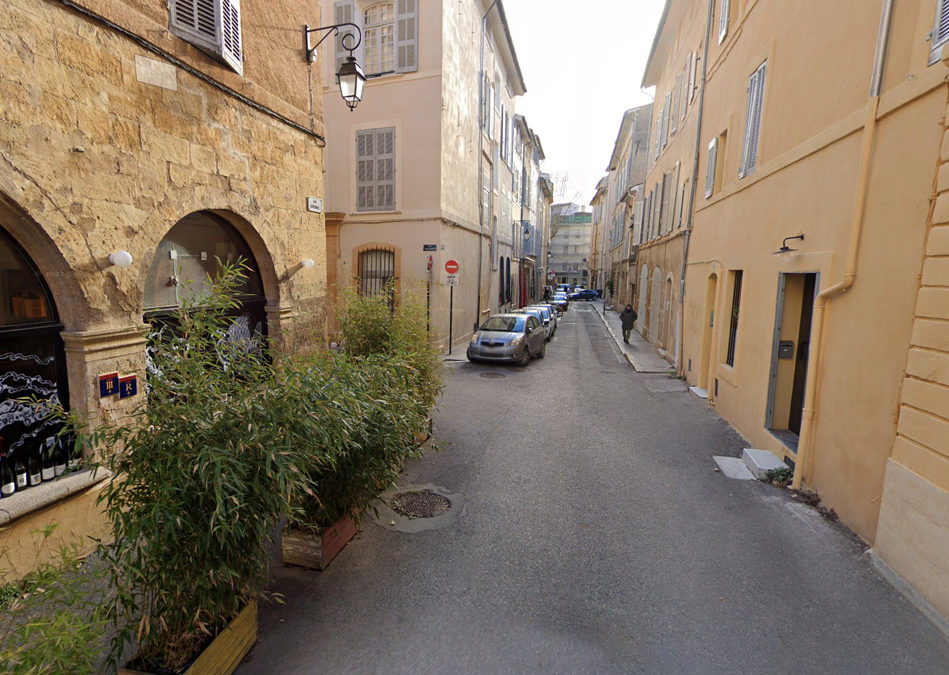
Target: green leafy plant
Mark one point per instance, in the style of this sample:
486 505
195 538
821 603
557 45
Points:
780 476
201 474
50 620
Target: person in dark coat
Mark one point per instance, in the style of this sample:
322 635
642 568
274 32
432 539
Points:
627 317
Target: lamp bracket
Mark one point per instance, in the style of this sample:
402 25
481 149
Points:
346 40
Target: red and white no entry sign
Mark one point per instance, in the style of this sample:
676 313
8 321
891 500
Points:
452 266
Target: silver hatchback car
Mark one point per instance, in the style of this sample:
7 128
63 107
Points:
515 338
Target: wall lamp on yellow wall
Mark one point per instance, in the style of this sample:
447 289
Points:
350 75
120 258
784 244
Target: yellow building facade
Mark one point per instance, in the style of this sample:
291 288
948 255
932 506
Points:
138 143
816 312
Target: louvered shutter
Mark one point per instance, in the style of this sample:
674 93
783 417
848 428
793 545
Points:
365 170
406 36
666 109
723 21
211 25
674 198
749 155
710 167
385 169
658 136
676 102
231 49
343 12
940 34
693 74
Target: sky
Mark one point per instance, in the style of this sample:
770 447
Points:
583 63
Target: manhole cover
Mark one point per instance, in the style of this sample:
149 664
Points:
492 376
420 504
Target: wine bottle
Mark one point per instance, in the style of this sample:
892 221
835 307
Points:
21 473
73 454
59 456
46 458
7 477
34 468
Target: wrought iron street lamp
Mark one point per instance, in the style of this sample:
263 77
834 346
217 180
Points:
350 75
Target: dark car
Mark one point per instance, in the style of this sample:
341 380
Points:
509 337
585 294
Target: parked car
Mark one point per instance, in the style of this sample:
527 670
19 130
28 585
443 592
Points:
542 315
560 301
509 337
585 294
551 316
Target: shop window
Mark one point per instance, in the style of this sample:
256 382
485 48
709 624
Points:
32 364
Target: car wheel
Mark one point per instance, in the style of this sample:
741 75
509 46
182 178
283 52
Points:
525 357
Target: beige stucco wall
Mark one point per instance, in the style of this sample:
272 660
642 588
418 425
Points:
805 182
95 159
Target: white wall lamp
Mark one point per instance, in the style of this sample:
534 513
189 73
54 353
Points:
120 258
307 263
350 75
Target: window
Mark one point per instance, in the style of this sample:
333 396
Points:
213 26
723 21
676 103
379 38
376 273
666 109
710 167
375 169
390 35
733 322
749 154
940 34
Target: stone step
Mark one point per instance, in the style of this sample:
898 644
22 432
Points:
760 462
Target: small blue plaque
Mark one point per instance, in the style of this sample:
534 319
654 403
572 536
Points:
108 385
128 386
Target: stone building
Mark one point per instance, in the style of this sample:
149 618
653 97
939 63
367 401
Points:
139 143
571 243
424 170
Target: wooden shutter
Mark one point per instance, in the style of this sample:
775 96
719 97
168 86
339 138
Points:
693 74
749 155
344 11
723 20
211 25
674 197
365 170
385 169
940 34
676 102
666 109
231 48
710 167
406 32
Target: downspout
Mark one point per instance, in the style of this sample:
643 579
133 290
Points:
809 413
484 29
687 235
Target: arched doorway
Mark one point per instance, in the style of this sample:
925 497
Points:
186 260
643 291
708 323
32 363
655 306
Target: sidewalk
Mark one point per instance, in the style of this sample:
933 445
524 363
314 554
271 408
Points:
641 355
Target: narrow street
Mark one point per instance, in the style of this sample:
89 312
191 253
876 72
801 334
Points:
595 537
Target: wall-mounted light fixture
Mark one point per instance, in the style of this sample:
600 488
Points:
350 75
120 258
307 263
784 244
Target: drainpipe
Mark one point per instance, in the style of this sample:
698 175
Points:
687 235
484 29
809 413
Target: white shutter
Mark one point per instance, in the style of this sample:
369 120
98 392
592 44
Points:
723 21
674 198
940 34
684 76
385 169
365 170
676 102
231 49
211 25
658 136
638 214
749 155
693 74
666 109
406 32
344 10
710 167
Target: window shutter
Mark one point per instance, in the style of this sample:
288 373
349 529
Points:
676 102
749 155
710 167
231 30
674 196
693 74
211 25
666 109
940 34
365 171
684 76
658 135
638 214
406 36
723 21
385 169
344 11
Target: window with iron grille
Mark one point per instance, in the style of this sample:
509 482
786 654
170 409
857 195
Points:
377 272
375 169
213 26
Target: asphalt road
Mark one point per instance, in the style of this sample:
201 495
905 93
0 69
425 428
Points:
596 537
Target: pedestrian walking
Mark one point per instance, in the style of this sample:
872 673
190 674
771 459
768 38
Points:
627 317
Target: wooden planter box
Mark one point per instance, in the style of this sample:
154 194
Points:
315 551
227 650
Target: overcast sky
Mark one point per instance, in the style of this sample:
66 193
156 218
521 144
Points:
582 62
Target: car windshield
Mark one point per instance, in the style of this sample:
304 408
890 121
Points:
504 324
